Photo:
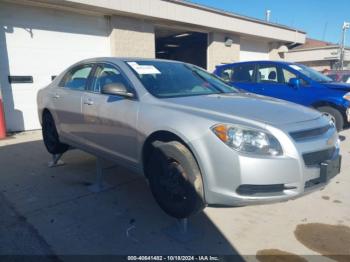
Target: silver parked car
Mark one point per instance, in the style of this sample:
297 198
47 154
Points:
197 140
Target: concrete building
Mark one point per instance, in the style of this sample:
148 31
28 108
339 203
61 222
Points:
319 55
39 39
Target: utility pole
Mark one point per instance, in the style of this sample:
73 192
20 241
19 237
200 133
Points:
267 15
324 31
2 117
346 26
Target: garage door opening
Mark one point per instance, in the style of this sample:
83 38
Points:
185 46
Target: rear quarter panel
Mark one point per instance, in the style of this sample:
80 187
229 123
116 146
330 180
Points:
44 99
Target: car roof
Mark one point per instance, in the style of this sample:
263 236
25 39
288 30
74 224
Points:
122 59
258 61
116 60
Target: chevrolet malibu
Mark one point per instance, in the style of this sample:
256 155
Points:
197 140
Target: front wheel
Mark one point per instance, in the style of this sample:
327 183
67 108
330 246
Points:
175 179
334 115
50 135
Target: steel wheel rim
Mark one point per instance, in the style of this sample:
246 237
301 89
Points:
172 182
331 117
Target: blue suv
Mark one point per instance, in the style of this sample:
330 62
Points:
292 82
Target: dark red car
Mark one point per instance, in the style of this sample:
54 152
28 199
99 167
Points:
339 76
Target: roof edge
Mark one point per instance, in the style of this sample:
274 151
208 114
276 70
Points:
231 14
317 48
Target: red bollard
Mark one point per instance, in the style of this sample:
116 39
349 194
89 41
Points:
2 121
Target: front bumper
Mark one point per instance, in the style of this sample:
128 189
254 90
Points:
348 115
314 178
282 180
233 179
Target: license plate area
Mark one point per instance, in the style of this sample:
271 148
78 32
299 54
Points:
330 169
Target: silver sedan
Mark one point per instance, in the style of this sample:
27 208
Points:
197 140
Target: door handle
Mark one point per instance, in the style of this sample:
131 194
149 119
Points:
88 102
56 96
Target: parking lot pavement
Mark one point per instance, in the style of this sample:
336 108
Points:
58 215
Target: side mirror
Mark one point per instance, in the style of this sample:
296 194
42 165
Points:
117 89
294 82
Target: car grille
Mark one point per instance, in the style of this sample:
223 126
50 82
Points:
316 158
310 133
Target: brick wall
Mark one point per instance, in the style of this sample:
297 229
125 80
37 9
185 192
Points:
218 53
132 37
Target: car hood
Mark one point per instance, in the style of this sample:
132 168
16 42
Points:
338 86
246 106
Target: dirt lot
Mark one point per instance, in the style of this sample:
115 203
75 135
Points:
50 211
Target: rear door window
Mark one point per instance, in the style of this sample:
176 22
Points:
77 78
268 74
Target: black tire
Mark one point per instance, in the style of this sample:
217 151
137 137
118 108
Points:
334 114
175 179
50 136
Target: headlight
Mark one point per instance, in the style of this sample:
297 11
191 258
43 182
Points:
248 140
347 96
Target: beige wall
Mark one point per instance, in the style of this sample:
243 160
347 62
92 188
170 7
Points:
273 53
184 12
253 48
305 55
218 53
132 37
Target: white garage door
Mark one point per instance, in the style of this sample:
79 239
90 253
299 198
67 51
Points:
253 50
41 43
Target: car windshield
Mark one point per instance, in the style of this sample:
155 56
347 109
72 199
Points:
334 77
165 79
311 73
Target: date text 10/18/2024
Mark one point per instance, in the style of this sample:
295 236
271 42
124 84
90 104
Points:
173 258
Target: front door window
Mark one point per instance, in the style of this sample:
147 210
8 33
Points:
106 74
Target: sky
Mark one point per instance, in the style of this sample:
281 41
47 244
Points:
320 19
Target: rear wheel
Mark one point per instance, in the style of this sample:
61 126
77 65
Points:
175 179
334 115
50 135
